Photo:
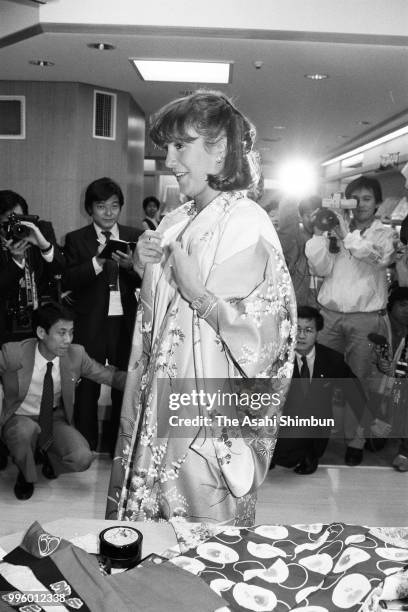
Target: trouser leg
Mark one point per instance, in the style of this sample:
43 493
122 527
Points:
86 411
20 435
69 451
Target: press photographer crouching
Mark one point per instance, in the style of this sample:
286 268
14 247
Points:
39 377
29 260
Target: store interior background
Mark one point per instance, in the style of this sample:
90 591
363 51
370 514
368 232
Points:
362 45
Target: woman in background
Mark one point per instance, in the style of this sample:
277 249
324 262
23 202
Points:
216 306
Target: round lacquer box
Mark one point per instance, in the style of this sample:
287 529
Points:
121 546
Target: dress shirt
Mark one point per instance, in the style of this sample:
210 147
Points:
310 358
32 401
102 239
355 279
115 301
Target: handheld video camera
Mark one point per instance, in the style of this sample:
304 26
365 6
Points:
326 219
14 230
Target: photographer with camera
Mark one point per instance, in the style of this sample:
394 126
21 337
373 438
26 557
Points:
29 259
353 296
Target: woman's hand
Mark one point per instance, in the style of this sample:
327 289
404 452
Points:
148 250
186 272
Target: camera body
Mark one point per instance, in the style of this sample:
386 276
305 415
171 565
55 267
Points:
14 230
326 218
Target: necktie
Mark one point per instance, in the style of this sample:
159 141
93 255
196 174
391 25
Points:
305 375
46 409
111 267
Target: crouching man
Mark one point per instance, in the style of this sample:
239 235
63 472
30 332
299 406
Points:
39 378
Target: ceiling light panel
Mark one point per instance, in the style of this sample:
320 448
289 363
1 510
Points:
183 72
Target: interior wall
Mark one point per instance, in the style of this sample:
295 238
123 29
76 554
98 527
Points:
53 165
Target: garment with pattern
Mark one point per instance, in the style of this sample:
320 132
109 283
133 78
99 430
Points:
157 472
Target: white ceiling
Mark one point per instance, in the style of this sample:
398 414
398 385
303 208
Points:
368 73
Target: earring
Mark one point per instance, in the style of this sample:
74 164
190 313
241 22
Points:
218 160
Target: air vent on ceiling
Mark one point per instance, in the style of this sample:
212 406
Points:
104 116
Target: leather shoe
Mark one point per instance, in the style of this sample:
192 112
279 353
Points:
22 488
353 456
375 444
48 470
400 462
308 465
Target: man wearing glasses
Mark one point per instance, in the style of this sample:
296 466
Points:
318 371
103 298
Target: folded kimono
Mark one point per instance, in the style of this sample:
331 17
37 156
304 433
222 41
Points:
49 573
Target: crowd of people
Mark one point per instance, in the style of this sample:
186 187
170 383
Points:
224 297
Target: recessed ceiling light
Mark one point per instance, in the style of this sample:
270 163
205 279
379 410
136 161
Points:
279 127
317 76
101 46
183 71
363 122
42 63
271 139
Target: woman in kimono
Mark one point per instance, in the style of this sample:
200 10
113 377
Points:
216 308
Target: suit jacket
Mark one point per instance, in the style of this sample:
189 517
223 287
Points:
91 290
44 272
330 371
16 369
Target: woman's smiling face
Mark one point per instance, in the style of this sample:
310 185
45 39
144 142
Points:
191 162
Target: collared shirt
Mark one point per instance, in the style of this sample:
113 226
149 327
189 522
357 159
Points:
355 278
115 301
32 401
102 239
310 359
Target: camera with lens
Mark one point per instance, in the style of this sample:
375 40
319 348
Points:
326 218
14 230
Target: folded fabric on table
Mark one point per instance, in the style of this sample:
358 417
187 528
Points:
324 568
59 576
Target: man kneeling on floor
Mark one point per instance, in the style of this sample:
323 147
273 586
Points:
39 377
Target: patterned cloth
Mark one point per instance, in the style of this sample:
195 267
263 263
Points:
157 473
315 568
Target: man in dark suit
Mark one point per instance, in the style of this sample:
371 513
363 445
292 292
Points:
28 266
39 376
318 371
104 301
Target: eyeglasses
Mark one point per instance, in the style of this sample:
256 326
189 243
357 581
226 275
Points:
306 330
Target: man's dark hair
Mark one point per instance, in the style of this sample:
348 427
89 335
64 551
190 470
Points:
366 182
308 312
9 200
399 294
308 205
46 316
100 190
149 199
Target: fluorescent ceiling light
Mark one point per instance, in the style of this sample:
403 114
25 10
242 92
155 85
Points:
183 72
369 145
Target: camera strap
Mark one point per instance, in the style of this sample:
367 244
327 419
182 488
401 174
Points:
31 294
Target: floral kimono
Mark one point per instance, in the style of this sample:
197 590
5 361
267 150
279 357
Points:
159 471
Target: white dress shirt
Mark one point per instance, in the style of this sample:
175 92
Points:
310 359
355 278
32 401
115 300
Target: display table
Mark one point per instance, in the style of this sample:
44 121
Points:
156 536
